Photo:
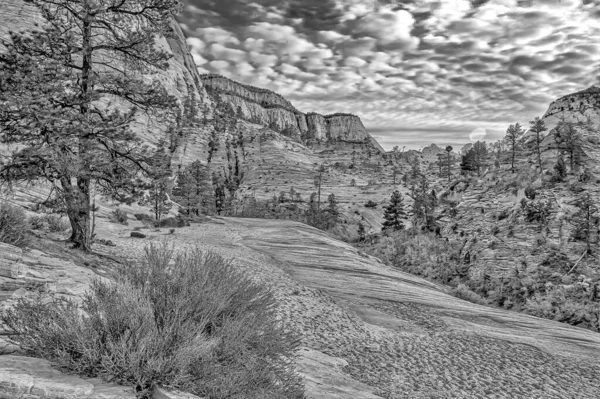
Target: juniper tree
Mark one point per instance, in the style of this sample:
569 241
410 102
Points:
70 91
394 213
513 135
538 127
560 169
362 233
332 207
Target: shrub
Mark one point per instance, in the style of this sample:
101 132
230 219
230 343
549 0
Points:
53 223
56 223
463 292
120 215
576 187
530 192
147 220
536 211
189 321
371 204
14 228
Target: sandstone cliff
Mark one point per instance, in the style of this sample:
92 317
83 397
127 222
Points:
575 107
264 107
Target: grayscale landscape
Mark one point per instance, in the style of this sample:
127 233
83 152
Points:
319 199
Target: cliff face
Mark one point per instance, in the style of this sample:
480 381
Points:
269 109
575 107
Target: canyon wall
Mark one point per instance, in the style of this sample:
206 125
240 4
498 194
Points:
264 107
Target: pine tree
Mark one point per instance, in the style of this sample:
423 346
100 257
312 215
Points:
160 204
447 163
475 159
569 141
423 203
193 191
53 80
394 213
538 127
513 135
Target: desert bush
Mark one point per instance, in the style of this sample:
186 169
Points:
463 292
51 222
530 192
187 321
371 204
536 211
57 224
120 215
14 228
147 220
576 187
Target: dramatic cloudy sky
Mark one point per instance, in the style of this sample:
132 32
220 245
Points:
415 71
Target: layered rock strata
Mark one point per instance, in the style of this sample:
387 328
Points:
264 107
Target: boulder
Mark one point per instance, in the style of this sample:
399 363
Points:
137 234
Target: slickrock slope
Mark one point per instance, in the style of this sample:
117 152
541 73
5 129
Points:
370 331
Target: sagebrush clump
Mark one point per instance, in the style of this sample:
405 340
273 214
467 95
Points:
14 228
187 321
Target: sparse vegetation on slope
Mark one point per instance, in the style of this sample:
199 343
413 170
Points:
544 290
188 321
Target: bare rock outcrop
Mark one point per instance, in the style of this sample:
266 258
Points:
575 107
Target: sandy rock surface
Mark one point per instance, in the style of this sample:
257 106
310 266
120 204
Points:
372 331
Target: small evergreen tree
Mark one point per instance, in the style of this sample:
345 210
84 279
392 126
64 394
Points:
475 159
394 213
333 205
560 169
362 234
160 204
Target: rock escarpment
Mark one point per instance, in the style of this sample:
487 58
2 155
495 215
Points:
575 107
264 107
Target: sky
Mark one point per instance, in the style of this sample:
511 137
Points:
415 71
